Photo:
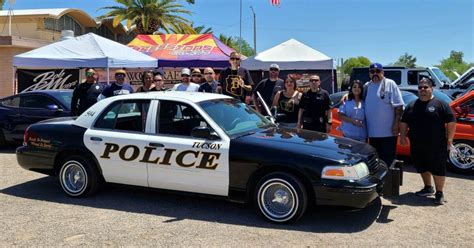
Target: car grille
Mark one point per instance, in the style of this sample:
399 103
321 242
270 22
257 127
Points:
373 163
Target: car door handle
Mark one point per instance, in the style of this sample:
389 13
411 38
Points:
156 144
96 139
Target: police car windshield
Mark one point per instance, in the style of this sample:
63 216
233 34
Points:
234 117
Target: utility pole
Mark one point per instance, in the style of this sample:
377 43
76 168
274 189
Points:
240 37
254 31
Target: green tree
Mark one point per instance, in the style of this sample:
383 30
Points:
233 42
406 60
354 62
1 4
194 30
149 15
454 63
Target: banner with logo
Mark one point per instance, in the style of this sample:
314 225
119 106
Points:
29 80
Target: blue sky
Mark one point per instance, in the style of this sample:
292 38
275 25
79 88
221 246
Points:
381 30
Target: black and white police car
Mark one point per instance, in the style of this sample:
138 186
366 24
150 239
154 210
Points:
203 143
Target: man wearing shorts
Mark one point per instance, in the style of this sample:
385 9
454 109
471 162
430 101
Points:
431 126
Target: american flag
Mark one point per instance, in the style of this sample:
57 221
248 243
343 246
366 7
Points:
275 2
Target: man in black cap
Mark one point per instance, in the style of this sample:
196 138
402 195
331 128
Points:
268 87
383 110
86 93
431 125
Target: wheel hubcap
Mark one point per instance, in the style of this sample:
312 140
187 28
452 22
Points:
278 200
74 177
462 156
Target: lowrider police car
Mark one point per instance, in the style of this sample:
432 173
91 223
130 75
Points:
203 143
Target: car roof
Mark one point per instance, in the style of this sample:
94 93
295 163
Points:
173 95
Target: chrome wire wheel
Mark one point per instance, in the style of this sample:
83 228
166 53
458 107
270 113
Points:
462 156
278 200
73 178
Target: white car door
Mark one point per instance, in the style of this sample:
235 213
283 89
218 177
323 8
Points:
117 140
182 162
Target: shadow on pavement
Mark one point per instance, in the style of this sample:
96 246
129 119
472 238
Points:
410 199
319 219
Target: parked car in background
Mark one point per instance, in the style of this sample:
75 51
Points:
436 93
463 83
461 159
19 111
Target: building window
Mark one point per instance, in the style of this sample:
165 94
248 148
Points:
64 23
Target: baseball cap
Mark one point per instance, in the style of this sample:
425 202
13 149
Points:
185 71
196 71
275 66
121 71
376 66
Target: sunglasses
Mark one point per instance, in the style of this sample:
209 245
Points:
314 80
375 71
184 75
120 75
208 73
423 87
157 80
235 59
273 69
89 74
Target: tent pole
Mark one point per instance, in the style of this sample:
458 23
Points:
108 79
15 86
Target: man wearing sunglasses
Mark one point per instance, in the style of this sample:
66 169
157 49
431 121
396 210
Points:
235 81
210 85
119 87
431 125
268 87
383 110
185 84
86 93
315 112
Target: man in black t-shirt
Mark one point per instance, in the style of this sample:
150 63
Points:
431 125
86 93
210 84
315 112
235 81
268 87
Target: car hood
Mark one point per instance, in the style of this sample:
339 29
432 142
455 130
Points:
308 143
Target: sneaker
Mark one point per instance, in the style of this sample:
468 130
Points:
426 191
439 198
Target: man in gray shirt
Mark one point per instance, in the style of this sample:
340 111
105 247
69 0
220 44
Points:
383 110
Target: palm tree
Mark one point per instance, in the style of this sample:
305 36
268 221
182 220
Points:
228 40
149 16
201 29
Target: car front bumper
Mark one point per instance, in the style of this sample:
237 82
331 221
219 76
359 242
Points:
357 194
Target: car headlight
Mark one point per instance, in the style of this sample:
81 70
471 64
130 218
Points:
346 172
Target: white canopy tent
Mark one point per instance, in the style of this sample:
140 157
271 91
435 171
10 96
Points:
290 55
89 50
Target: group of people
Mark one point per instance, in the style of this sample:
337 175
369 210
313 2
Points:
375 111
372 111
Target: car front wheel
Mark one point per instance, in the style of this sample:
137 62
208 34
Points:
461 158
280 197
79 176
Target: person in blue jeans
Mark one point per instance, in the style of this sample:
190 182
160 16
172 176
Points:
352 114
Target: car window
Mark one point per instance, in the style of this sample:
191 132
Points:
234 117
394 75
65 97
125 116
12 102
36 101
177 118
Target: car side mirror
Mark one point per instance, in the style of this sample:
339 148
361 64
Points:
54 107
204 133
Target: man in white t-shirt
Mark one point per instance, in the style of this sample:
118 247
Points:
383 111
185 84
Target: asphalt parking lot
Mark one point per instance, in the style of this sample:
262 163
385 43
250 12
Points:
35 212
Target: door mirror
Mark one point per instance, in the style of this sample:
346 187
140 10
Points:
54 107
204 133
